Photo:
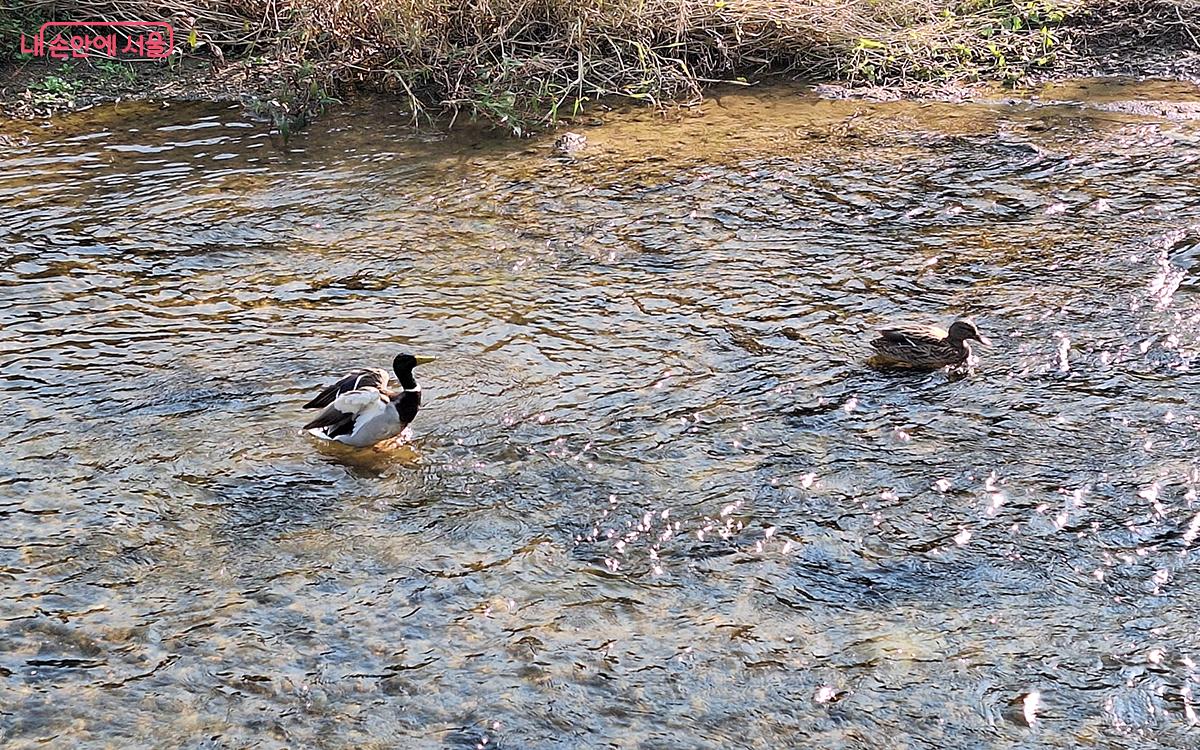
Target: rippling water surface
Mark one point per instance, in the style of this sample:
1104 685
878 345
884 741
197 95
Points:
654 499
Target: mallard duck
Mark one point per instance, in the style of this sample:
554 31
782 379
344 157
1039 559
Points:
925 347
361 410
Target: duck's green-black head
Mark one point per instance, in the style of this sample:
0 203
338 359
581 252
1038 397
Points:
403 364
963 330
406 362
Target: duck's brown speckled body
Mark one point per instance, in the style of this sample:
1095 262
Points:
925 347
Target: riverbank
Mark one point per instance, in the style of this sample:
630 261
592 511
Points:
526 66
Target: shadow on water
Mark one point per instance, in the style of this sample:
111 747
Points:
654 498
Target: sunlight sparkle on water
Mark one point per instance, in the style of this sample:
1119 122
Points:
1151 495
1193 530
1060 521
1165 282
1030 706
1160 579
1189 704
989 484
1064 353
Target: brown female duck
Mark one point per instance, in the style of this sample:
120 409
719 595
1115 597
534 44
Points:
925 347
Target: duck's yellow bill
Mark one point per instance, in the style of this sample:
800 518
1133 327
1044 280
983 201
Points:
422 360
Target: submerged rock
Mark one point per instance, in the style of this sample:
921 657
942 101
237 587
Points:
568 144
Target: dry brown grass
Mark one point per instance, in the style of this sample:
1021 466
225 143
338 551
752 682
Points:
1116 26
524 62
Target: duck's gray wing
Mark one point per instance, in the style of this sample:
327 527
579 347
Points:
334 422
367 377
341 417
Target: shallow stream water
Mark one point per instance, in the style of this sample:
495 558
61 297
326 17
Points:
654 499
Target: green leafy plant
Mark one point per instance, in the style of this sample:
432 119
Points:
116 71
55 88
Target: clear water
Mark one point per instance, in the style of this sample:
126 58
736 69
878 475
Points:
654 498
